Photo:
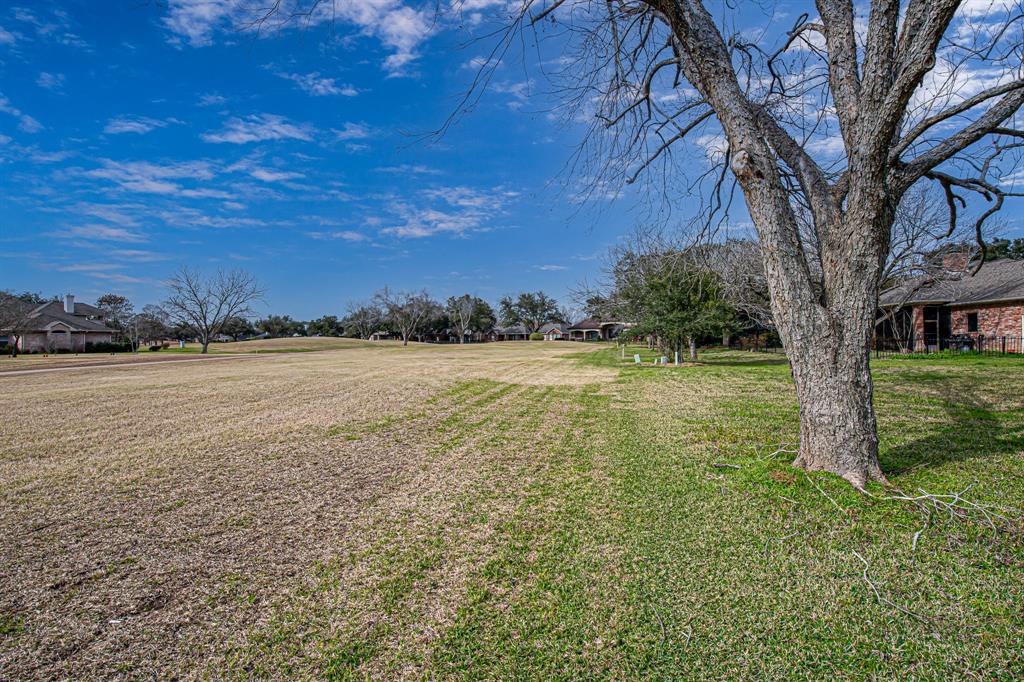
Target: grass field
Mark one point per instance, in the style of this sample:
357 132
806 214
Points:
502 511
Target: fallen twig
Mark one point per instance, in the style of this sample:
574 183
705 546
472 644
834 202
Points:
723 465
826 495
878 595
779 539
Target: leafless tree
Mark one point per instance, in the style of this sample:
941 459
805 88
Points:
204 304
406 311
15 311
895 101
365 317
460 311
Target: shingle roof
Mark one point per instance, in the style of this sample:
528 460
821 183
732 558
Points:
999 280
552 326
589 323
51 312
514 329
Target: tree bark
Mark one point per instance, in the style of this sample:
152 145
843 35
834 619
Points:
837 417
206 346
693 348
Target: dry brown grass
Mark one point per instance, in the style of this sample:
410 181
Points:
153 517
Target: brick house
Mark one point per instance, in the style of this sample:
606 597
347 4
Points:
984 308
62 326
554 331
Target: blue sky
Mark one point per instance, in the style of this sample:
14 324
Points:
136 137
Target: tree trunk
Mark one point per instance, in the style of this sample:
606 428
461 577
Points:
726 338
837 417
693 348
206 346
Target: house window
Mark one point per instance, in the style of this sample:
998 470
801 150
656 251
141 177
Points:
972 322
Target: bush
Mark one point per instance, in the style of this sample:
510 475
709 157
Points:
536 336
108 347
156 347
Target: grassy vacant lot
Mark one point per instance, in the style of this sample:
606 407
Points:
501 511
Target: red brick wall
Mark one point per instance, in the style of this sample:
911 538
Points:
994 319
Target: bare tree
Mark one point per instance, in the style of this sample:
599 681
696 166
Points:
15 312
893 102
365 318
460 311
406 311
204 304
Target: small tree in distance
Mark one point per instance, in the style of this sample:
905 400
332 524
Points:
363 319
466 313
204 304
14 315
406 311
530 309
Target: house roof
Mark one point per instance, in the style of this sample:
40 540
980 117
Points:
514 329
997 281
589 323
48 313
552 327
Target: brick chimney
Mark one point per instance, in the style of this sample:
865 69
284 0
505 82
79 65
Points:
69 304
955 261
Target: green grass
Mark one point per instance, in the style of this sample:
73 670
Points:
618 549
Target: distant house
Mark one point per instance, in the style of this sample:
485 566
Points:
515 332
934 315
63 326
554 331
594 329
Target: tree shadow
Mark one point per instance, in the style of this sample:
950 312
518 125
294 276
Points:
756 360
973 428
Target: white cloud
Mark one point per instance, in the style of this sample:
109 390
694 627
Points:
267 175
139 256
353 131
103 232
260 128
25 122
466 210
197 20
347 235
151 178
139 125
51 81
409 169
253 169
398 27
211 100
551 268
55 27
6 37
518 91
319 86
981 9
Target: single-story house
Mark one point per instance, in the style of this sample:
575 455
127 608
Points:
62 326
594 329
554 331
935 315
515 332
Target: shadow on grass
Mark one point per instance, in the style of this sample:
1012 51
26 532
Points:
970 427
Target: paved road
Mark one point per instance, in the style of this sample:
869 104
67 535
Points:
138 363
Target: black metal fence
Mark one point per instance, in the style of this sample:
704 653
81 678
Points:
955 345
884 347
